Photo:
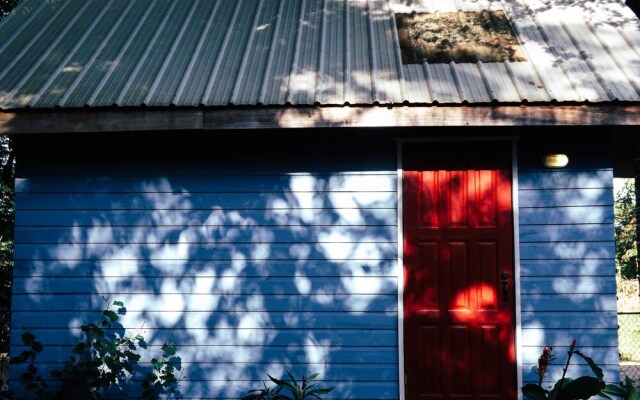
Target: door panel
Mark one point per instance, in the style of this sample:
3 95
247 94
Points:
458 241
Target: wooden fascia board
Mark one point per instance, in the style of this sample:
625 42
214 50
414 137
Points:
175 119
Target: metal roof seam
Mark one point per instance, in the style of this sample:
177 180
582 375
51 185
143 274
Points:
457 97
183 83
523 39
160 76
248 53
26 48
428 80
589 59
28 75
514 81
220 58
296 53
348 93
136 71
272 51
70 55
398 55
576 62
628 40
7 41
485 79
323 45
94 57
633 80
373 54
123 50
557 60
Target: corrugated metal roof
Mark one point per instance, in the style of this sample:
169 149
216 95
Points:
75 53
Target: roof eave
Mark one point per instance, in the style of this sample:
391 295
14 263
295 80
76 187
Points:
110 119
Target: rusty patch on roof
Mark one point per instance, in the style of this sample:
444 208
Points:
461 37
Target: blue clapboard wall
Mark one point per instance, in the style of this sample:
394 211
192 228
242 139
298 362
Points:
281 254
252 260
567 253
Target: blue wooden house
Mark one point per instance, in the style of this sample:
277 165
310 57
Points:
347 187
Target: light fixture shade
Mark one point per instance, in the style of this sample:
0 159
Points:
555 160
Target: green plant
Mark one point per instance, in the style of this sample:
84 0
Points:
103 361
583 387
302 390
266 393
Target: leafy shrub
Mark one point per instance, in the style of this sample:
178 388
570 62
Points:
302 390
583 387
105 359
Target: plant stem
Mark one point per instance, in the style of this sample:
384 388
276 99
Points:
566 367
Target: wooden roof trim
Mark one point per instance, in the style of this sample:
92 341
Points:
177 119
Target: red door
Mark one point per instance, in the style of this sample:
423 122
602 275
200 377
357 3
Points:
458 263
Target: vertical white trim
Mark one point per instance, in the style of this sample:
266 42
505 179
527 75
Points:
401 373
516 262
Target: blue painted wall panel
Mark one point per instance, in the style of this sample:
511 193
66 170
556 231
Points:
250 264
287 261
567 256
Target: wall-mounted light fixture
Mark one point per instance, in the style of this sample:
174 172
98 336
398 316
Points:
558 160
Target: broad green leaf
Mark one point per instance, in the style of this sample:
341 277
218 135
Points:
281 383
25 378
80 348
169 349
293 379
534 392
321 391
132 356
553 395
127 367
28 338
118 303
37 346
583 387
614 390
56 374
632 393
113 317
596 370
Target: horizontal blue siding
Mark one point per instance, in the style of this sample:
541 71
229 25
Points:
293 354
589 267
200 201
566 233
168 268
287 264
244 234
258 182
567 253
202 251
173 218
534 214
568 320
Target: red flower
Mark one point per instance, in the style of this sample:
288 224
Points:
543 363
